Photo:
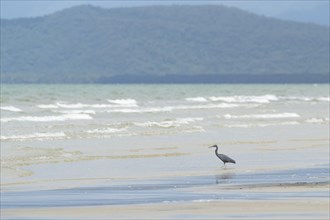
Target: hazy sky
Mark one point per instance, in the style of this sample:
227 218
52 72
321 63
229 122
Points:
279 8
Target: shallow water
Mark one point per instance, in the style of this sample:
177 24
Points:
181 189
93 145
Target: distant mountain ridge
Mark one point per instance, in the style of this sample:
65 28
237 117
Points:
87 44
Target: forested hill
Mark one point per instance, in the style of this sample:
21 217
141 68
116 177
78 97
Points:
161 44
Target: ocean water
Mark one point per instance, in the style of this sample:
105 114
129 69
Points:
78 112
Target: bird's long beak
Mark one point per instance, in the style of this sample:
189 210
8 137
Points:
211 146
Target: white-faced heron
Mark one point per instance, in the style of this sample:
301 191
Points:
224 158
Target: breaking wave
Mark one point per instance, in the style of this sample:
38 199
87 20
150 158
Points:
236 99
114 104
10 108
92 112
171 108
197 99
307 99
263 116
48 118
168 123
105 130
256 99
35 136
124 102
49 106
317 120
140 110
260 124
245 99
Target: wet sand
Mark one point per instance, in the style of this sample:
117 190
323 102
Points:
286 177
261 209
301 193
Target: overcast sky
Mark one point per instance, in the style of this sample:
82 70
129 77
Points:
308 10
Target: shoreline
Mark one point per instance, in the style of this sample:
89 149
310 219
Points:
276 185
231 209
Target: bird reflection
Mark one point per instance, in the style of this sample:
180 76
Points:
224 177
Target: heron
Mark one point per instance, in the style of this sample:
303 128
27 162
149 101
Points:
224 158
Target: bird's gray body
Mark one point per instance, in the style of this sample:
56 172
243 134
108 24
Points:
224 158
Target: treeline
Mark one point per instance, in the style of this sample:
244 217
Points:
167 43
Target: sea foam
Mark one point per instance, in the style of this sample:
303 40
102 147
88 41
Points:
35 136
245 99
307 99
77 112
10 108
197 99
325 99
48 118
115 104
263 116
47 106
106 130
171 108
81 105
263 99
235 99
317 120
124 102
252 125
141 110
207 106
168 123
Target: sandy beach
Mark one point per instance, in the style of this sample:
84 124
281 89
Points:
261 209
